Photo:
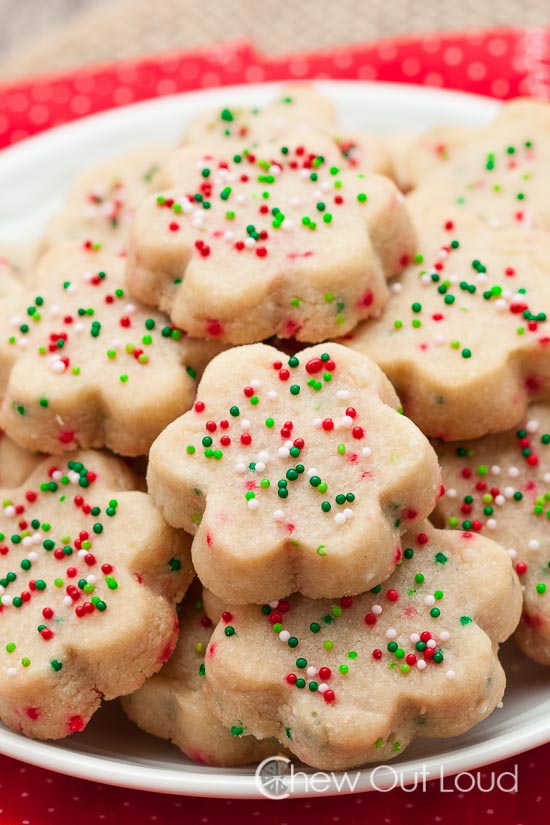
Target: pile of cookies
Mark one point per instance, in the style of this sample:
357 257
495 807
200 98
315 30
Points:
269 470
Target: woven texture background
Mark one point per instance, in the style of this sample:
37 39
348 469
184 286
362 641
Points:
38 36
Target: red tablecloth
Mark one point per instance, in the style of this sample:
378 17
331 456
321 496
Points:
503 63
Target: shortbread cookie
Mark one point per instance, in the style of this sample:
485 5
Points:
294 474
414 157
89 577
172 704
101 204
15 262
16 463
465 338
501 175
500 485
274 241
296 107
83 364
353 681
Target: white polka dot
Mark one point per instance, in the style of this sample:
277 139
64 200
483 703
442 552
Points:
500 87
367 72
80 105
452 56
254 74
166 86
476 70
410 66
433 79
123 95
298 67
497 47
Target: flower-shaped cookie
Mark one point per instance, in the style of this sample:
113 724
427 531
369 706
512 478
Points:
276 240
294 474
173 705
13 265
101 204
83 364
415 157
16 463
465 337
297 107
500 484
500 175
89 577
353 681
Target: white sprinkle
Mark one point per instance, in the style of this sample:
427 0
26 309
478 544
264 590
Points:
323 687
284 635
274 604
7 601
312 472
343 395
500 500
263 456
311 671
533 544
253 504
11 671
250 243
228 236
421 664
444 636
500 305
129 309
58 366
495 469
278 515
78 328
245 424
532 426
451 674
396 288
376 609
513 472
512 553
57 475
431 643
429 600
491 523
346 421
272 395
67 601
366 451
451 492
9 511
255 384
283 452
391 633
260 466
32 556
82 553
509 492
414 637
339 518
317 422
547 478
240 467
289 444
348 512
91 579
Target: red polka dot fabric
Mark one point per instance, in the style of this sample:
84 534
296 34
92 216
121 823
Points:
502 63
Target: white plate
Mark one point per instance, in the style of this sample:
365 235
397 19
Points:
34 177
